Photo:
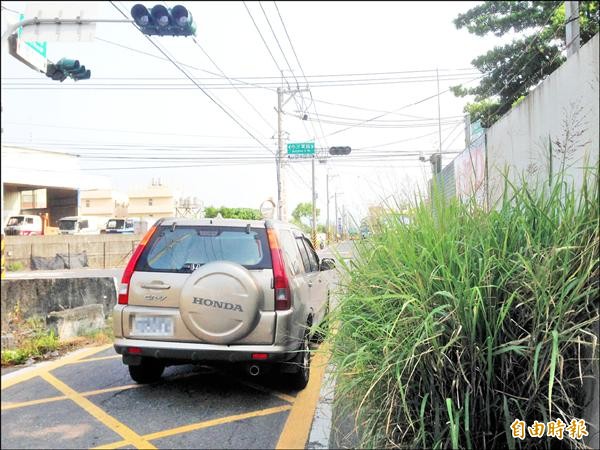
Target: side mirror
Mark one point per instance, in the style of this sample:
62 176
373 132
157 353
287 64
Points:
327 264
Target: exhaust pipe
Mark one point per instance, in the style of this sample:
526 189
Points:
253 370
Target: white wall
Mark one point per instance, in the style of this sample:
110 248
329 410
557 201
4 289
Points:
564 109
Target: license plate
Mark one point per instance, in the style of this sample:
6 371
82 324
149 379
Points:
152 326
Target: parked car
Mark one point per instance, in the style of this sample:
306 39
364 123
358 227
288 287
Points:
244 291
79 225
24 225
126 226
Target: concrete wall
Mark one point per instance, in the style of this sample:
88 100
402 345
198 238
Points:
564 109
103 250
39 297
12 204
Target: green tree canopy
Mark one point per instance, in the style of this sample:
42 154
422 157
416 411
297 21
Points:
232 213
512 70
303 212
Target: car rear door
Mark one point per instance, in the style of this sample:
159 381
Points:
314 279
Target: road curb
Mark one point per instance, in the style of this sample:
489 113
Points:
320 431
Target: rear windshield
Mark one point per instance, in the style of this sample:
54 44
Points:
186 248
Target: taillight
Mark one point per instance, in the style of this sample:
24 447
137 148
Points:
281 285
124 286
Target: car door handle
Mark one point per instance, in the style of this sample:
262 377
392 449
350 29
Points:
156 286
310 283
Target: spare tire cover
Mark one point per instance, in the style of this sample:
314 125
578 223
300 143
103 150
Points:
219 302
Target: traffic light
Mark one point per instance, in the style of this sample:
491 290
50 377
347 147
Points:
162 21
339 151
67 68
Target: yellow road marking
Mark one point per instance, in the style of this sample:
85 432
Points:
99 358
130 436
10 405
297 427
258 387
201 425
46 367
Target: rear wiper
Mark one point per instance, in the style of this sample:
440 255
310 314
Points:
189 267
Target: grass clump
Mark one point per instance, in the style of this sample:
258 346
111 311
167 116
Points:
35 342
453 326
15 266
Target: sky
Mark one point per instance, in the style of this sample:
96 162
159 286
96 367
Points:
370 69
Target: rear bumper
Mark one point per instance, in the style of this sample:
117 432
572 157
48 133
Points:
193 352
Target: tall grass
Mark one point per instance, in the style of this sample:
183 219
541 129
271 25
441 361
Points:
455 325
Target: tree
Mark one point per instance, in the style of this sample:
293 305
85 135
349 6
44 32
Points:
303 211
232 213
511 71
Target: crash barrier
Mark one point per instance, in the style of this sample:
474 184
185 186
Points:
41 296
102 251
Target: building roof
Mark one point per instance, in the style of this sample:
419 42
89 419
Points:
45 168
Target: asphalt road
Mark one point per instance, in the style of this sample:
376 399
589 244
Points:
88 400
91 402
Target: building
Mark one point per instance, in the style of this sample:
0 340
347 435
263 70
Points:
103 203
152 202
38 181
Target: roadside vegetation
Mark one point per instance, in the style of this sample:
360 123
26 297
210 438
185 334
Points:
452 326
35 342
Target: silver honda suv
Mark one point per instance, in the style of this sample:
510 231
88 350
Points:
230 290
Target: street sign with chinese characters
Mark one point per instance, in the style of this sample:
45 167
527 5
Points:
301 149
33 53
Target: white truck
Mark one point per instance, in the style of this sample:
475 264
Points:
80 225
24 225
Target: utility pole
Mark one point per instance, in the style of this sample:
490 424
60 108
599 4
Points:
280 187
437 74
336 217
327 238
280 157
572 27
344 227
314 207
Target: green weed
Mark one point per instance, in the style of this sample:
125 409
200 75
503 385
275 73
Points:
454 325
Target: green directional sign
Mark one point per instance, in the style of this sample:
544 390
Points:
40 48
303 148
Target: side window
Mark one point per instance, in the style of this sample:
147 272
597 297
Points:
303 254
30 220
312 256
292 254
83 224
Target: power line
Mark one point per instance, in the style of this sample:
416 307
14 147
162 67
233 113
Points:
206 93
231 83
265 42
200 87
278 44
340 76
114 130
303 74
400 109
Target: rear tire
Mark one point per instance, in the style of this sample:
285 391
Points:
149 371
319 334
299 379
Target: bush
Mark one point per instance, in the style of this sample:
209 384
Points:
453 326
15 266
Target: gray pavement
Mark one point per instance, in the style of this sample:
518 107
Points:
92 401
